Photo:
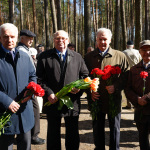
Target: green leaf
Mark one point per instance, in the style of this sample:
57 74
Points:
67 101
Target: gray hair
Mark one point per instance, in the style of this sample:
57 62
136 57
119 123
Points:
9 26
55 34
102 30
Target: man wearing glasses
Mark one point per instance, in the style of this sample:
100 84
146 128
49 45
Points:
56 68
139 97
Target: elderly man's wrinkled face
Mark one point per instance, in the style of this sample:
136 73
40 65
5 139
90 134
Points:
26 40
61 41
145 53
8 38
103 40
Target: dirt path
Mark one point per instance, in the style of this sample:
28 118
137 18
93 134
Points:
128 139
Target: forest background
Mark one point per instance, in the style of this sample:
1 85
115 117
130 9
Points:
127 19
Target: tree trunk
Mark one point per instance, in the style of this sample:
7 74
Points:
96 14
46 24
87 23
107 13
138 23
34 20
123 22
146 20
68 16
53 13
11 11
132 19
116 34
75 26
58 6
94 24
21 17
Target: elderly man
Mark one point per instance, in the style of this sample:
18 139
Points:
133 57
16 72
134 92
99 58
26 41
54 73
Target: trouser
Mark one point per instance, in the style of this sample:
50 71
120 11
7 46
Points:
36 129
53 133
99 131
23 141
143 127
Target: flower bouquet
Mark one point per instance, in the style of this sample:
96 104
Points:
32 88
79 84
107 74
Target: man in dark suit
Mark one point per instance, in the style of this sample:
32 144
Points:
54 73
16 71
138 96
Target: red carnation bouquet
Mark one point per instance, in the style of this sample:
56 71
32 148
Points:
108 73
32 88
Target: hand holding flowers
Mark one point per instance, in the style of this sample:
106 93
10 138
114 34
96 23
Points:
32 88
73 87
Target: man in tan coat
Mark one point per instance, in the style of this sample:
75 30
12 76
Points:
99 58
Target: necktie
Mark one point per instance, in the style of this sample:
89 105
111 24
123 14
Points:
61 57
12 54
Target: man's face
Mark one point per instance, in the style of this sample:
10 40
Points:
103 40
145 53
8 39
26 40
61 41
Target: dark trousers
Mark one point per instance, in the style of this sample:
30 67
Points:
99 132
53 133
36 129
143 127
23 141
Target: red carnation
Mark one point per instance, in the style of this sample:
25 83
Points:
144 74
118 70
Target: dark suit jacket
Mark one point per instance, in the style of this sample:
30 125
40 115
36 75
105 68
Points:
13 80
49 72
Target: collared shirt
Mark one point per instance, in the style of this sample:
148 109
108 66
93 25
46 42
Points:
64 54
103 53
8 51
146 65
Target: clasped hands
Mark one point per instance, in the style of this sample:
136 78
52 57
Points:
95 95
53 99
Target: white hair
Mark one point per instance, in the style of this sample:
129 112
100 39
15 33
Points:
9 26
102 30
57 32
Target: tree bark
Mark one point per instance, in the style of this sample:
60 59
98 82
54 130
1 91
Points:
58 6
11 11
138 23
47 24
123 22
146 20
116 34
53 13
87 23
21 17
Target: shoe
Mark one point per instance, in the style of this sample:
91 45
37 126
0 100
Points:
126 107
38 141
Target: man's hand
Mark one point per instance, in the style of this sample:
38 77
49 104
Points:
95 95
27 98
110 89
74 90
142 100
52 98
14 106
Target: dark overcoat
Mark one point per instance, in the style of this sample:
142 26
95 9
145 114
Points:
14 77
49 72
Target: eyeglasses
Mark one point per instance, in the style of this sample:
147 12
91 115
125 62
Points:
62 38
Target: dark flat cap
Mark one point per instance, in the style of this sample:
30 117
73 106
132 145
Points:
145 42
130 43
40 45
27 33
